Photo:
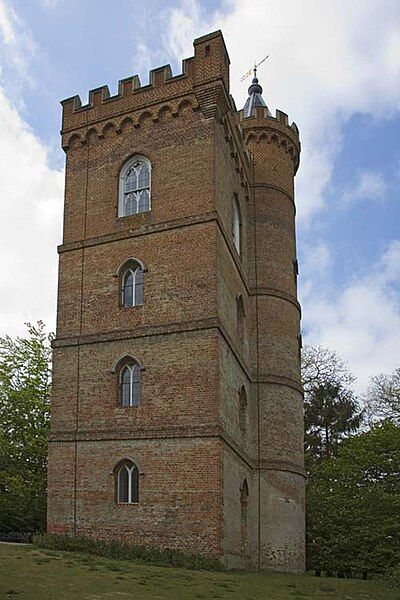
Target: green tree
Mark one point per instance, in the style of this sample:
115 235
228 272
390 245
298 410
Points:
330 413
24 421
353 505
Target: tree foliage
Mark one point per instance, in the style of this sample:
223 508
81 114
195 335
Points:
24 421
331 410
330 413
353 500
383 397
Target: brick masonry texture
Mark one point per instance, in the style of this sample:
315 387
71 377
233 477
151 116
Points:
194 451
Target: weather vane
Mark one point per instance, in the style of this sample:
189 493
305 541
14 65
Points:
256 65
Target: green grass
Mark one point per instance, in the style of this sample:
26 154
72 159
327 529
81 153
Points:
29 573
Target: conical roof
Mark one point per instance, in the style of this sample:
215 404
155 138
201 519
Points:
255 98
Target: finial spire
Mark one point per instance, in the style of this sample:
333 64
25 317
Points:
255 97
255 91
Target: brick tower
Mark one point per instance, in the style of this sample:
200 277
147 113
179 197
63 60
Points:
177 404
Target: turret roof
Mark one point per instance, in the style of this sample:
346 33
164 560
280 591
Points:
255 97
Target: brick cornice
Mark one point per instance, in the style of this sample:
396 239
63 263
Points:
259 126
140 231
152 229
141 331
277 188
174 329
266 291
150 104
178 224
136 433
168 433
282 465
279 380
265 464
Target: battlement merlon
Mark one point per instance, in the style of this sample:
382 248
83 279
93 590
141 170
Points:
209 64
277 127
263 118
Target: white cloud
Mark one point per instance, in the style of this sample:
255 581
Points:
318 260
361 320
185 19
31 193
143 60
17 47
329 60
7 20
30 225
369 185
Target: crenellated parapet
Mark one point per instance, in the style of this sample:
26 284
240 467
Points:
103 129
203 83
262 127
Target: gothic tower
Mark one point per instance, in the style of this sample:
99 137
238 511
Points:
177 404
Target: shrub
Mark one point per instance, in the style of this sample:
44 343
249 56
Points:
167 557
16 536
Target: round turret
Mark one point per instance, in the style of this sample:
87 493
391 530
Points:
274 149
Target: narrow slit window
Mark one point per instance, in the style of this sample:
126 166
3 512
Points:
236 224
242 408
240 317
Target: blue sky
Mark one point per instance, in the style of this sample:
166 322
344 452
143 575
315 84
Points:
334 67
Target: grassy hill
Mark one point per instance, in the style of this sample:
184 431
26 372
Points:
32 574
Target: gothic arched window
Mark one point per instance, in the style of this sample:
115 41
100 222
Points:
132 286
129 384
135 187
126 482
236 223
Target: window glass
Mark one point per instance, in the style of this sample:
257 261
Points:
127 292
123 484
135 385
135 484
126 387
129 385
127 482
139 287
144 201
143 176
134 193
235 224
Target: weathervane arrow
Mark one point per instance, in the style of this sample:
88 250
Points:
256 65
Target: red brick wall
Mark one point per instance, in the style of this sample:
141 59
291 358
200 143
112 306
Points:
185 435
